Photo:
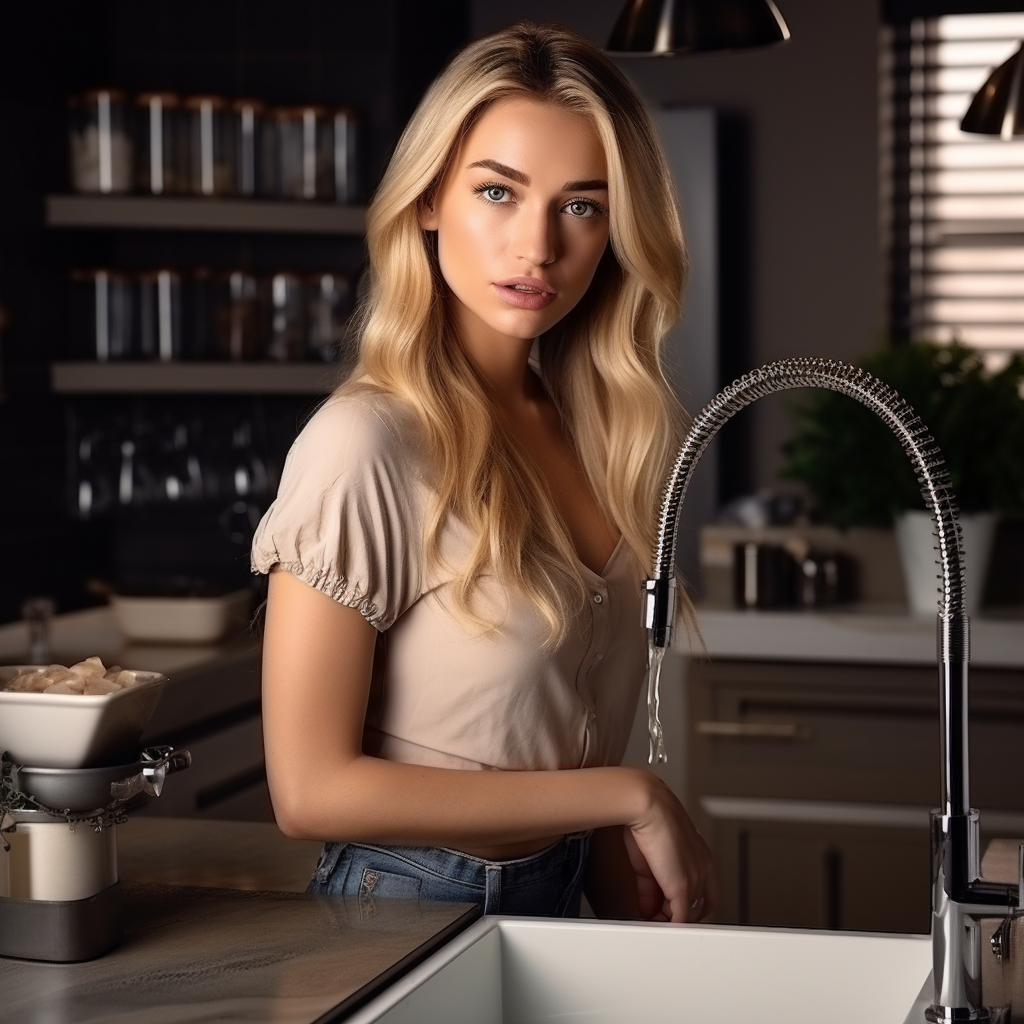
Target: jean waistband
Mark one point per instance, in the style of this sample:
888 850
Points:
463 867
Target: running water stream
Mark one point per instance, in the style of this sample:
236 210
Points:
655 656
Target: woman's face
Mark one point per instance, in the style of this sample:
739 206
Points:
521 219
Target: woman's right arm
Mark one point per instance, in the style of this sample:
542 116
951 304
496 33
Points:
317 661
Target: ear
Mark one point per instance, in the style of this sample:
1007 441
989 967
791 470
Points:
427 215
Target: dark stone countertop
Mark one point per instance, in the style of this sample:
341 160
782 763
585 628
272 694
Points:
229 948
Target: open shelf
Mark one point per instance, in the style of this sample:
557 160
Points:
181 213
194 378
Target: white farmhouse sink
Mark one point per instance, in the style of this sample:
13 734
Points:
520 970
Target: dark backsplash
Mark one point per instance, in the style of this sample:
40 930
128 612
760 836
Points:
376 57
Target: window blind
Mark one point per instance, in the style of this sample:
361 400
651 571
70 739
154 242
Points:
961 225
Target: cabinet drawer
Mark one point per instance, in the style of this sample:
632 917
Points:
808 876
844 733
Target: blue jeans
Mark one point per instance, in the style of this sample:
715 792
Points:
544 884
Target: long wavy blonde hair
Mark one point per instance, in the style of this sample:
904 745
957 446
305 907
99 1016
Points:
600 364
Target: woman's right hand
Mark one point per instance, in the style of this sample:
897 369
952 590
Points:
670 858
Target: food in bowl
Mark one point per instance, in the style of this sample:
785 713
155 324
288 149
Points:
88 678
77 729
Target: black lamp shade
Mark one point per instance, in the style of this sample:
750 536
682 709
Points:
667 28
998 106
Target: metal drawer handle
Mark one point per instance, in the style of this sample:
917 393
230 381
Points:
755 730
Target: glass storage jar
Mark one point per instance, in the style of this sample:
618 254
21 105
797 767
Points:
347 156
253 174
99 142
287 339
160 315
329 305
211 146
160 143
102 302
240 316
303 144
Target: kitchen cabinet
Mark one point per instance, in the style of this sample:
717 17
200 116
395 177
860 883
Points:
813 781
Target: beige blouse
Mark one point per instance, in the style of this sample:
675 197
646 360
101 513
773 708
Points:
347 520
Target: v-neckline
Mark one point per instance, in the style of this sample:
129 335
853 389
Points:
603 574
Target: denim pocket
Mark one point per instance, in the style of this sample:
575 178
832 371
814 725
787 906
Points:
387 884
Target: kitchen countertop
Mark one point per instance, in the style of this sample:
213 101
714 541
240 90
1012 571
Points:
233 938
866 634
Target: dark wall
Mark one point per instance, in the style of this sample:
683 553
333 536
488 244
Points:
377 57
800 168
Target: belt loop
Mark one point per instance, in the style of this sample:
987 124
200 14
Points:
492 899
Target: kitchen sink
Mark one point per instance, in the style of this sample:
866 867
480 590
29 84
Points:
519 970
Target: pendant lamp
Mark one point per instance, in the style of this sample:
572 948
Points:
998 106
670 28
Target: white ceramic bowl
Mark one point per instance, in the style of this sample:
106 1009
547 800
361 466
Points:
180 620
57 730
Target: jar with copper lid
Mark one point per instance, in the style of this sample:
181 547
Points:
241 315
287 340
161 144
329 301
99 142
160 315
211 146
253 154
304 149
102 308
347 140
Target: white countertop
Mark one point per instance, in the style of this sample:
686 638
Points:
875 634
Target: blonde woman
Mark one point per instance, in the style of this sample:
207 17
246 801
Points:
453 650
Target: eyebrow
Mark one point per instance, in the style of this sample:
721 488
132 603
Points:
583 185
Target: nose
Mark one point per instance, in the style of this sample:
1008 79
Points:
536 239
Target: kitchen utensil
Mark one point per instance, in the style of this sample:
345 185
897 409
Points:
86 789
48 860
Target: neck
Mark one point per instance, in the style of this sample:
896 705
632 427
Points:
503 364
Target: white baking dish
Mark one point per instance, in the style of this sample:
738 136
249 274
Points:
56 730
180 620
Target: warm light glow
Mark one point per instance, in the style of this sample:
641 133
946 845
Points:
967 190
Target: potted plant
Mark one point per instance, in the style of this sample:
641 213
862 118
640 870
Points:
858 474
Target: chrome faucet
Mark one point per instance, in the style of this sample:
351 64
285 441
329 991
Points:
960 897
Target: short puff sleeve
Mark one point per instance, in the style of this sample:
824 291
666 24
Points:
348 517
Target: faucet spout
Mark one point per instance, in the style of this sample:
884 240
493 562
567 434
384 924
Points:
959 896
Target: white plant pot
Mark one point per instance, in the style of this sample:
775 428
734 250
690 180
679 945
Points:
918 547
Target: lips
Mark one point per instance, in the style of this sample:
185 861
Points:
525 292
